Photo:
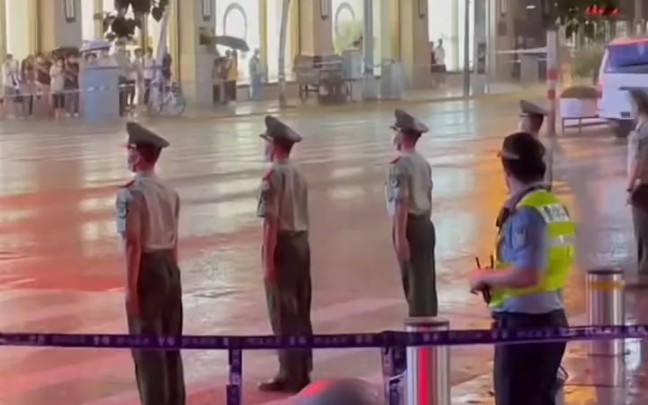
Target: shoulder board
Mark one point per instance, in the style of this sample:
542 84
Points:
268 174
127 185
395 160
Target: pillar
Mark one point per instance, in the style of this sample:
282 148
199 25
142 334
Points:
389 29
414 42
195 62
315 31
59 24
3 29
98 24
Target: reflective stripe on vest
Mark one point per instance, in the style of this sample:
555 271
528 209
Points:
562 238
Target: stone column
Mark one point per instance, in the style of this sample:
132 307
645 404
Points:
315 31
98 24
414 43
59 24
3 29
196 61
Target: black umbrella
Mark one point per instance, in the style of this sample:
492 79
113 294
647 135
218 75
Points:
232 42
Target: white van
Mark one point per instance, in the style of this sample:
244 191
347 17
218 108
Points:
624 67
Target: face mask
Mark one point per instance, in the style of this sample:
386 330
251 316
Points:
267 154
131 161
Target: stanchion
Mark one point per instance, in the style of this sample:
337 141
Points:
428 368
605 307
234 389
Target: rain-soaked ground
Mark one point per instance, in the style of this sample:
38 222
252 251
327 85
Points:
61 270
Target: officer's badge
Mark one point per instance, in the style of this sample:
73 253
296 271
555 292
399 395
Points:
122 209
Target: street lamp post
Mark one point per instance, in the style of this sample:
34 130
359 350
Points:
282 53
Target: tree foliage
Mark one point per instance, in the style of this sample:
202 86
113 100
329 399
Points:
118 26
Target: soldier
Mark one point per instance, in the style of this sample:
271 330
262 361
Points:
147 219
283 204
409 203
531 119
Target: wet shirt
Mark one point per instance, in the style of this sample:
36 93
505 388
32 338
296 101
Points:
155 205
524 243
410 178
284 196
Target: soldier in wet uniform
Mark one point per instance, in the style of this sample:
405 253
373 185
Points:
283 205
147 220
532 117
409 203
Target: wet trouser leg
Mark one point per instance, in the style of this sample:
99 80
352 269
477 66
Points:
526 373
289 303
640 222
159 373
419 273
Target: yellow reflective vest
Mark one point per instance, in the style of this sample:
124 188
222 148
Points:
562 237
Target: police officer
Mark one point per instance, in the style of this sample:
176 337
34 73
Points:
531 119
409 203
283 204
147 219
534 256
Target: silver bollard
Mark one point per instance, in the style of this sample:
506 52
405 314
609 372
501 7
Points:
605 307
428 368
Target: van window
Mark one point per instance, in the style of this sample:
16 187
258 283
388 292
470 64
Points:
628 58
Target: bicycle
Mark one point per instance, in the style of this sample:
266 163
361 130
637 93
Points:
166 100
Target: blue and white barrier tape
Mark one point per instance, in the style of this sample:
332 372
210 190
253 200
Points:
361 340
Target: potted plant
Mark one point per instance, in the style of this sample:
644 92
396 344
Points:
578 102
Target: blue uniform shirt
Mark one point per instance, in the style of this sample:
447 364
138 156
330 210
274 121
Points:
525 244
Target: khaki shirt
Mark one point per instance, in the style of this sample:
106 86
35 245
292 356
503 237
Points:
410 178
284 196
148 204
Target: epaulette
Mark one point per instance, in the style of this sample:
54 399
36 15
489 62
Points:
267 175
127 185
395 160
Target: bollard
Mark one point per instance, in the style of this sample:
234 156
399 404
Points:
605 307
428 368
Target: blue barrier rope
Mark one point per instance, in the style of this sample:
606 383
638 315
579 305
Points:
337 341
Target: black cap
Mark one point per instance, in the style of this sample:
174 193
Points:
278 131
522 146
531 109
407 123
140 136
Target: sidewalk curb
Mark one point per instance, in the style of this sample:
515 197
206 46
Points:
356 106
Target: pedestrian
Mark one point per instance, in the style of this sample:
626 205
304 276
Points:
409 203
147 219
534 256
532 117
283 205
638 180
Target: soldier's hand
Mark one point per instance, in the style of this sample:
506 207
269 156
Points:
403 250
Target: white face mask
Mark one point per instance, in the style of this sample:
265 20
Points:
267 153
131 160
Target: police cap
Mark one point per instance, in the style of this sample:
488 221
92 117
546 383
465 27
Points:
140 136
407 123
530 109
278 131
522 146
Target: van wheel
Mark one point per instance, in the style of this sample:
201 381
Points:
622 128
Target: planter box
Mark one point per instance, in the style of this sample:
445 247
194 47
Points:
572 108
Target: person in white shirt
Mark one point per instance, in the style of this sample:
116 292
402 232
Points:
148 73
11 82
439 57
57 75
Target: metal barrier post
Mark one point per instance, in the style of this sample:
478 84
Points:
605 307
234 389
428 368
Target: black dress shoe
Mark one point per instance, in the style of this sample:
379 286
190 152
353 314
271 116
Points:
283 385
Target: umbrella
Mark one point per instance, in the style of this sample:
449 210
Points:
232 42
66 51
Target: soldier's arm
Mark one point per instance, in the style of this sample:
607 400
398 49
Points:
399 185
177 216
269 210
130 209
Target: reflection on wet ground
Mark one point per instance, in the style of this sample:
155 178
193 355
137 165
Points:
61 270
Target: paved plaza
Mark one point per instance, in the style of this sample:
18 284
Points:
61 269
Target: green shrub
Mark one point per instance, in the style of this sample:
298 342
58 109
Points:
580 93
587 62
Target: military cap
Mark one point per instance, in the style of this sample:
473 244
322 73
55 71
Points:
140 136
406 123
278 131
522 146
531 109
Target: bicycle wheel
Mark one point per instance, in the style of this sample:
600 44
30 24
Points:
174 103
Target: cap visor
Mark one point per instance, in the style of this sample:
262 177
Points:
507 155
265 136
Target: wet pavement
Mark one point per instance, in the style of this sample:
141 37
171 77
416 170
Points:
61 270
